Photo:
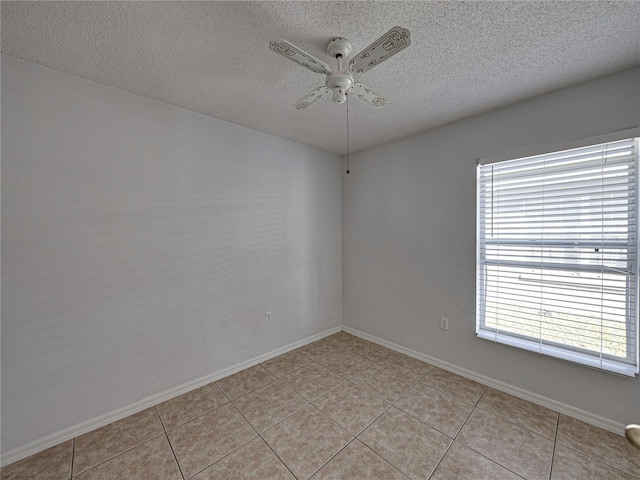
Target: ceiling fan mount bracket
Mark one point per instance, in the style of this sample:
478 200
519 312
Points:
339 47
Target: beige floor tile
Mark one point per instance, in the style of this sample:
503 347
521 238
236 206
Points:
462 463
316 350
351 406
358 462
609 448
384 382
252 461
568 463
369 350
344 335
520 450
208 438
190 405
312 381
409 366
442 411
51 464
152 460
245 381
345 363
503 438
286 363
453 384
408 444
534 417
342 339
107 442
268 405
306 440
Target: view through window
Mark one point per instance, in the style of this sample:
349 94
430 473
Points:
557 254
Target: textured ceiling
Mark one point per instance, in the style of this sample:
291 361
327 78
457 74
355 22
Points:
213 57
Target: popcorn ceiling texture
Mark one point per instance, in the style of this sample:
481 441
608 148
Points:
213 57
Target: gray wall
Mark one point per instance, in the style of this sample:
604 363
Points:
143 243
409 239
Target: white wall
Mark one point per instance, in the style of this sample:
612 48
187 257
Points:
409 239
143 243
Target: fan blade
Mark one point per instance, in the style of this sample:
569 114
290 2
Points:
389 44
301 57
368 95
308 99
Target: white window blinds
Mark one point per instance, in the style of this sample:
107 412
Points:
557 254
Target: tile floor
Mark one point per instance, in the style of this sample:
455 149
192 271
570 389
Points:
340 408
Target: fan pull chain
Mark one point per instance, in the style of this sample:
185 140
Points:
347 133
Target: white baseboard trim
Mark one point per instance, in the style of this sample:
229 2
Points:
74 431
587 417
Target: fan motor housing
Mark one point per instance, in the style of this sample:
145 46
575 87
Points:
342 80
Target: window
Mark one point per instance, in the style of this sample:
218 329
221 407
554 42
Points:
557 254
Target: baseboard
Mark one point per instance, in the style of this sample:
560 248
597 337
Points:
587 417
95 423
52 440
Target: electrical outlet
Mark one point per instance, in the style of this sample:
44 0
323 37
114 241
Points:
267 317
444 323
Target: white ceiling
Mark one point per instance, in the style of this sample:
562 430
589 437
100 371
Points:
213 57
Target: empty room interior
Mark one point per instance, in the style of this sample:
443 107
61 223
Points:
319 240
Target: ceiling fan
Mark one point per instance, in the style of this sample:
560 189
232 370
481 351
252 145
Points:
340 81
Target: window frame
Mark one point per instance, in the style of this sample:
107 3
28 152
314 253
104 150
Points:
566 352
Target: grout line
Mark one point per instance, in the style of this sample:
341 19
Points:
194 418
330 419
277 456
73 454
512 422
588 455
382 458
489 459
321 412
285 418
235 449
480 453
442 457
245 419
555 442
333 456
597 460
333 421
160 417
123 452
297 368
223 392
169 442
224 456
429 425
175 456
386 409
250 391
481 395
471 404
